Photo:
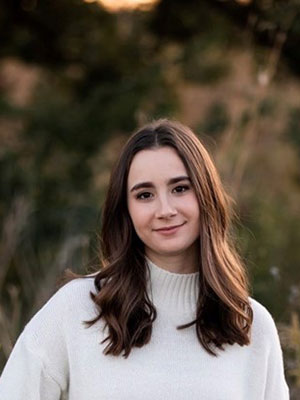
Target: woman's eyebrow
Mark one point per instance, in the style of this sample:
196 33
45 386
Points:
150 184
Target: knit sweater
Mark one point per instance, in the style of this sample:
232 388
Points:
56 357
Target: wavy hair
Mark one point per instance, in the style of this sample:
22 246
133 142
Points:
223 314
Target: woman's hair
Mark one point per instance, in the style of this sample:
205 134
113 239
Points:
224 314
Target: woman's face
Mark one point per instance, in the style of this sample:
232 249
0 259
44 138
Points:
160 195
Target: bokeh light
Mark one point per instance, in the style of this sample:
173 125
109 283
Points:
117 5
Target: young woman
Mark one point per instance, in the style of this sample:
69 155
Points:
168 315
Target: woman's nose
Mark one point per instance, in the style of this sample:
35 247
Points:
165 208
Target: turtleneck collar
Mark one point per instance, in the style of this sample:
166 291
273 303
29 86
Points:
173 291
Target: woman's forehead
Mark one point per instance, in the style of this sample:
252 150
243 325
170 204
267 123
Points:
156 164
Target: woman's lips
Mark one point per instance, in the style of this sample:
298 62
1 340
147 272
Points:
169 231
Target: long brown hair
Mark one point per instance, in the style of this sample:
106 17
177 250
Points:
224 314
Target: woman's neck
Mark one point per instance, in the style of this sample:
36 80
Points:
176 293
184 263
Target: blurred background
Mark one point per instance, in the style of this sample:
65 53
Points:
77 77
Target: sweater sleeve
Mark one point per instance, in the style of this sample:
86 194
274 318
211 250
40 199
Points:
26 377
38 367
276 386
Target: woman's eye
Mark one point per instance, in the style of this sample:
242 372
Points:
143 196
148 195
181 188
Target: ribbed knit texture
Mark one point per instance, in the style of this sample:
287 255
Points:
57 357
177 293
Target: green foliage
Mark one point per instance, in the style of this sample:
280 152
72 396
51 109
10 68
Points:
269 245
290 337
216 120
267 107
293 127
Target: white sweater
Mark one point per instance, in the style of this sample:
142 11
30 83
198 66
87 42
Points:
57 357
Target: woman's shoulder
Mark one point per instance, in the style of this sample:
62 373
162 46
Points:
75 292
47 335
259 310
70 302
263 322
